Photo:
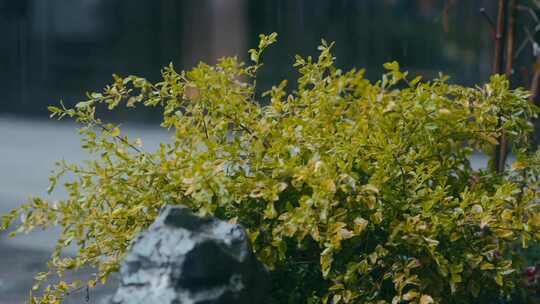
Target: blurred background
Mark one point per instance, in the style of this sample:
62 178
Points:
60 49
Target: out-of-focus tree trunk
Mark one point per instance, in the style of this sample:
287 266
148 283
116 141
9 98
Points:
535 83
229 28
213 29
500 149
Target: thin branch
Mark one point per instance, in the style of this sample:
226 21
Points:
243 127
527 40
488 19
525 8
119 138
97 123
205 128
246 129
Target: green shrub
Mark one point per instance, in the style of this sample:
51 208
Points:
351 191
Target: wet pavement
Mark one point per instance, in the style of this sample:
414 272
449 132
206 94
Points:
19 265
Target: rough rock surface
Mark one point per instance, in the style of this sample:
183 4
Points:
186 259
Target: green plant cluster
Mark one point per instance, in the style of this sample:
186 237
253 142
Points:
351 191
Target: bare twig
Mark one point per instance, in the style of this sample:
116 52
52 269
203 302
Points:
488 19
205 128
120 138
246 129
525 8
527 40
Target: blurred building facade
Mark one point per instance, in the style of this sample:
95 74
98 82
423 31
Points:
59 49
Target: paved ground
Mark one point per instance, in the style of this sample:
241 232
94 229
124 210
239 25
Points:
28 150
17 267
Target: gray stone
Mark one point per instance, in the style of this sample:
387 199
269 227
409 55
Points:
186 259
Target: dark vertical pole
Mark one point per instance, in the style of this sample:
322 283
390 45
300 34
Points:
510 35
535 81
500 149
499 42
